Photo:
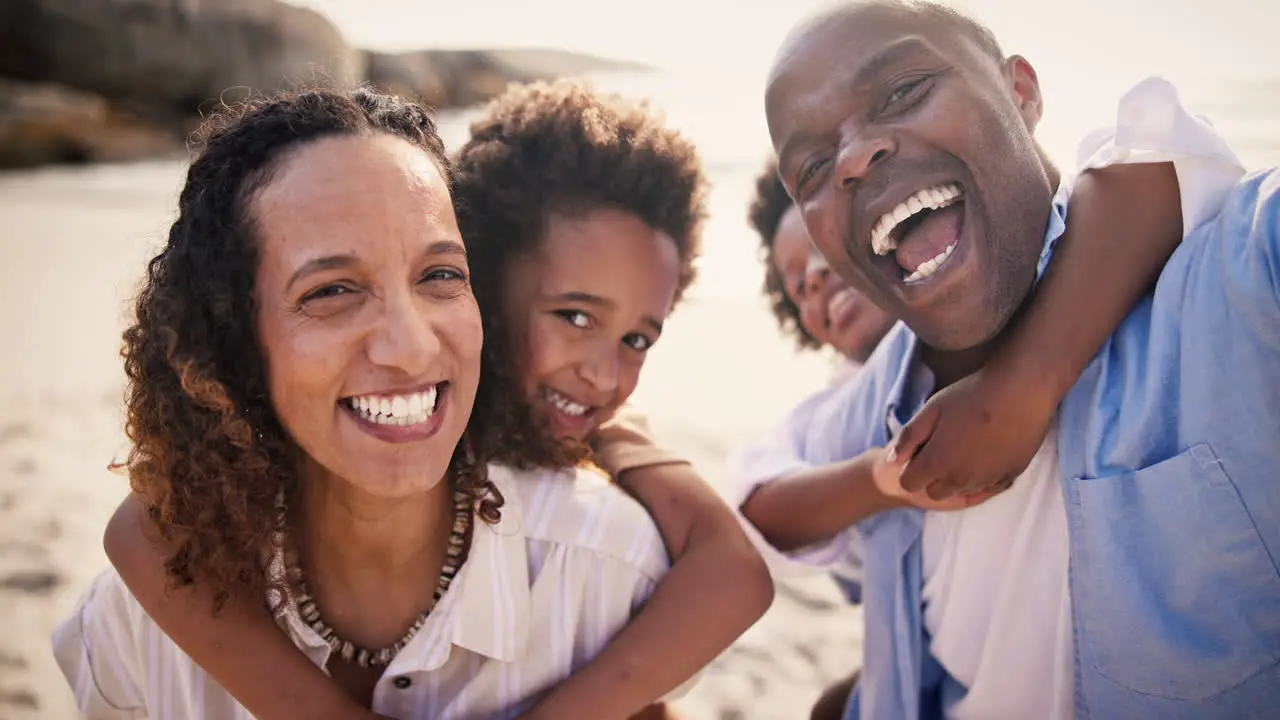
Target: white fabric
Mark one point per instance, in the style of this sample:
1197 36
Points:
996 603
542 592
1152 126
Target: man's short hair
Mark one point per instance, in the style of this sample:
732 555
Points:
963 22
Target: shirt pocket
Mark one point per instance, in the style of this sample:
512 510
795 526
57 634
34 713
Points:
1175 594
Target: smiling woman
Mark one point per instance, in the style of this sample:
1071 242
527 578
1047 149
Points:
303 369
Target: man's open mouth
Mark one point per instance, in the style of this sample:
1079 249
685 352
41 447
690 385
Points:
922 231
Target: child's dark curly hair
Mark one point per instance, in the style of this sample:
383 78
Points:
562 149
765 213
209 454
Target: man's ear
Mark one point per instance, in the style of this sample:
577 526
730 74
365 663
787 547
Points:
1024 86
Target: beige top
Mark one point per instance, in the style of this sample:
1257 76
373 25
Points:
542 592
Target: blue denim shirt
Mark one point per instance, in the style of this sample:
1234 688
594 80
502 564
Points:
1169 452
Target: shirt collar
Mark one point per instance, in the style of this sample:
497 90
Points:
912 383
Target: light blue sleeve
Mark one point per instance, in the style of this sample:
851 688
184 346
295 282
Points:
1249 232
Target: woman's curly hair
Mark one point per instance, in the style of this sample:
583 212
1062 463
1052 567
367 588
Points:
765 213
209 455
560 148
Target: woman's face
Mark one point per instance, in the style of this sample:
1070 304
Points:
365 313
585 308
830 310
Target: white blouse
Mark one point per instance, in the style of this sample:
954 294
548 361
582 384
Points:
542 592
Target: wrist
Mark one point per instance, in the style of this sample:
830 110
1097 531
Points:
875 498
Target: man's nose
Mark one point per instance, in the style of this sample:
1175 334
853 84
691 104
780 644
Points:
862 148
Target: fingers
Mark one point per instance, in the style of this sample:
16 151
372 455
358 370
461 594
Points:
913 436
919 473
953 489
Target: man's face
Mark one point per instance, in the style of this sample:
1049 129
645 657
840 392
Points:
909 152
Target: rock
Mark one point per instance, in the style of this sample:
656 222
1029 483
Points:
110 80
457 78
42 124
172 54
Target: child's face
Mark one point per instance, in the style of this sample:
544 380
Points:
831 311
585 308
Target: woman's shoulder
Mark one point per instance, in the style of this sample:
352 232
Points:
581 509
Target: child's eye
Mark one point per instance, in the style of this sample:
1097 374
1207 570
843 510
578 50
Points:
576 318
638 342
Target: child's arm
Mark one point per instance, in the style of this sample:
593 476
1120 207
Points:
241 647
810 506
717 587
1123 224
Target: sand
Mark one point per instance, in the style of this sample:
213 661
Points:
74 244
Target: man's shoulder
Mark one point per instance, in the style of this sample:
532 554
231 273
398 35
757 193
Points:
581 509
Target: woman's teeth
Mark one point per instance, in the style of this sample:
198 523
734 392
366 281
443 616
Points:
565 405
930 266
411 409
934 198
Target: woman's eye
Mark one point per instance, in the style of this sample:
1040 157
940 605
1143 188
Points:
638 342
328 291
576 318
443 274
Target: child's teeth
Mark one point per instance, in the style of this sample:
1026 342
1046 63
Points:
566 405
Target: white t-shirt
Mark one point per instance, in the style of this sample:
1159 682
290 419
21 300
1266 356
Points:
996 603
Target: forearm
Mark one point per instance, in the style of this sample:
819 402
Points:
1123 224
240 647
811 506
717 588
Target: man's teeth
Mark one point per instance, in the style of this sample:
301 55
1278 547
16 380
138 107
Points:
411 409
565 405
934 198
930 266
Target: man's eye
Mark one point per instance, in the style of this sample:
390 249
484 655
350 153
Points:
903 91
808 171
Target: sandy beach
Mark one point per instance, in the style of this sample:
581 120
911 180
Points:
75 243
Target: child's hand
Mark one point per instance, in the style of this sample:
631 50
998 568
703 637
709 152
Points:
975 436
887 471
